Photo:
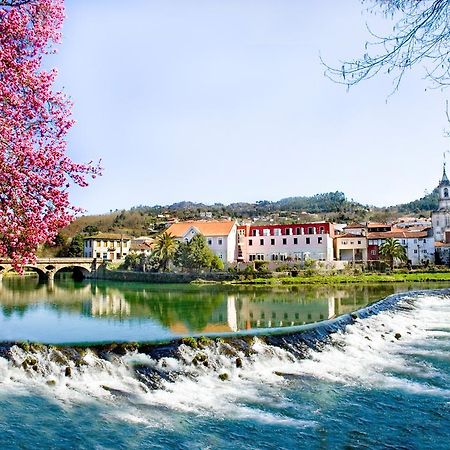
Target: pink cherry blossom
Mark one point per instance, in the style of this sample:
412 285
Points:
35 172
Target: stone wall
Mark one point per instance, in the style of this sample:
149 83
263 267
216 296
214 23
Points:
169 277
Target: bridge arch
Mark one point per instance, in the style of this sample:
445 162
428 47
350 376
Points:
78 272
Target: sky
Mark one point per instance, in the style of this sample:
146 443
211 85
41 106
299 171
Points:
226 101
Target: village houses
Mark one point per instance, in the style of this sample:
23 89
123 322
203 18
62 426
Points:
425 240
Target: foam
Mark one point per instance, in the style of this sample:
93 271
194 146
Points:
366 354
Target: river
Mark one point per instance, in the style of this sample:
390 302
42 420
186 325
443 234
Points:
381 382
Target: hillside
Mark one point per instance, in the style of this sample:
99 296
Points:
333 206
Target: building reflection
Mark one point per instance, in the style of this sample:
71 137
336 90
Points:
193 309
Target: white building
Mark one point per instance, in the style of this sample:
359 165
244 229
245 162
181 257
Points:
441 218
107 246
295 242
419 244
220 235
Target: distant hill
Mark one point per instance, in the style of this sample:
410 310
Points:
423 205
333 206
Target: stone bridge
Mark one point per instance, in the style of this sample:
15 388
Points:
47 267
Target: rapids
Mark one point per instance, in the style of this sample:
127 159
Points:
380 380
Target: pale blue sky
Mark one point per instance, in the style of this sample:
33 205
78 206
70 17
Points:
224 101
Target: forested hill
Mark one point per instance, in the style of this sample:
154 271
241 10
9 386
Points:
425 204
332 206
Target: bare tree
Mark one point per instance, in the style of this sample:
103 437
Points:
421 34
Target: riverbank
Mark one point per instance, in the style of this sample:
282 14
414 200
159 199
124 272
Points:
415 277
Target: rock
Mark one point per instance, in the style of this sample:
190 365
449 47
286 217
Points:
224 376
68 371
200 358
238 363
190 342
397 336
51 382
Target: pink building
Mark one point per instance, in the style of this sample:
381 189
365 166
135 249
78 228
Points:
294 242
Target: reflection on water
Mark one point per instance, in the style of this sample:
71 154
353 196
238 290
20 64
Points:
96 311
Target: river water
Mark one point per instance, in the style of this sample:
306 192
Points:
381 382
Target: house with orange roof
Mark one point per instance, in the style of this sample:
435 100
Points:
220 235
418 244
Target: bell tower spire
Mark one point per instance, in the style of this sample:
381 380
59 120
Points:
444 188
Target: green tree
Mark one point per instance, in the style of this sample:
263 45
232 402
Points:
165 249
196 255
391 249
75 248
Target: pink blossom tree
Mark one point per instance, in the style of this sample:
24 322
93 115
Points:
35 172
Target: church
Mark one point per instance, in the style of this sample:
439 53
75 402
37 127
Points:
441 222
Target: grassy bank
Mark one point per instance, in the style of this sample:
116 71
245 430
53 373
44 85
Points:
359 278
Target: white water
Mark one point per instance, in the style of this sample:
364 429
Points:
367 354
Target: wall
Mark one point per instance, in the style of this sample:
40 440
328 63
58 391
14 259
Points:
149 277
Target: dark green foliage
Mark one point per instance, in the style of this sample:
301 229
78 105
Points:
75 247
196 255
90 229
427 203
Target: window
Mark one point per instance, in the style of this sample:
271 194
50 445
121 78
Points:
284 241
415 241
255 232
97 255
272 242
415 251
260 257
209 241
263 316
251 257
288 231
310 230
424 241
308 240
250 242
373 252
118 255
297 230
322 230
274 315
220 256
266 232
295 241
446 193
261 242
277 232
297 315
359 242
319 240
219 241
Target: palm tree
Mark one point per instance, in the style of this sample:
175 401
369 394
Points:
391 249
165 248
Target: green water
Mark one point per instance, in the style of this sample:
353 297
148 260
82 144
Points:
99 311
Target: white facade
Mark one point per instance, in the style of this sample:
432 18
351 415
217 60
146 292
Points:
106 246
296 242
441 218
220 236
419 250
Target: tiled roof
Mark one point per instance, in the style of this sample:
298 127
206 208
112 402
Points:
398 234
354 225
109 236
212 228
441 244
350 236
142 246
